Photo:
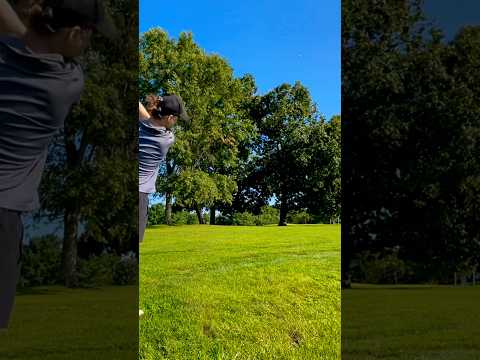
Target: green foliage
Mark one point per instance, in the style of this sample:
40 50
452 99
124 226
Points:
299 217
224 220
376 268
411 127
245 219
180 218
156 214
108 269
323 190
41 262
240 149
268 215
96 270
184 218
297 156
197 187
125 271
41 266
282 116
205 154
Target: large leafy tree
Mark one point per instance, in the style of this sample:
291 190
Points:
288 125
202 163
294 159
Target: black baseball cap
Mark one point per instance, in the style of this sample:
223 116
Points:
66 13
173 105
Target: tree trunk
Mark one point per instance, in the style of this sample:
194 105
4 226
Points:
168 208
199 215
69 253
212 215
283 212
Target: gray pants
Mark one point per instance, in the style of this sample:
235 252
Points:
142 214
11 236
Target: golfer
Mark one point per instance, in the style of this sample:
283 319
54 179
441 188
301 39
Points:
39 83
155 138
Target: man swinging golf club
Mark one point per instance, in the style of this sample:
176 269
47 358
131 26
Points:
155 138
39 83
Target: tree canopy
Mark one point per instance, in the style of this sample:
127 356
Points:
410 164
241 149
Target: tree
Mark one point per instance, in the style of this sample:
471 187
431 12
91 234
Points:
156 214
322 161
284 117
205 154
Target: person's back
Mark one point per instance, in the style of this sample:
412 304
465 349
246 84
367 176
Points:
36 93
153 144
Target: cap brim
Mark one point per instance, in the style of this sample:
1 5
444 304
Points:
183 113
184 116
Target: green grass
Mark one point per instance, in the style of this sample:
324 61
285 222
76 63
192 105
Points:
226 292
55 323
411 322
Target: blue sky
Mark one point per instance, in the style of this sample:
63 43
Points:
276 41
450 16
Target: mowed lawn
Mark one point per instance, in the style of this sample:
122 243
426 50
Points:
410 323
55 323
227 292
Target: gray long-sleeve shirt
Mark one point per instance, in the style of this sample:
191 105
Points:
154 143
36 94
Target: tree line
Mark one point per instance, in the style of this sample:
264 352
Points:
242 151
411 164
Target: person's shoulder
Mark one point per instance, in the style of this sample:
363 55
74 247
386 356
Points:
152 129
73 67
61 66
145 126
17 50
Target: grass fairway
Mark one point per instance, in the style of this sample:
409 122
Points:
55 323
411 322
226 292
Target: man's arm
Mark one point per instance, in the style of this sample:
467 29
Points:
10 24
142 112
